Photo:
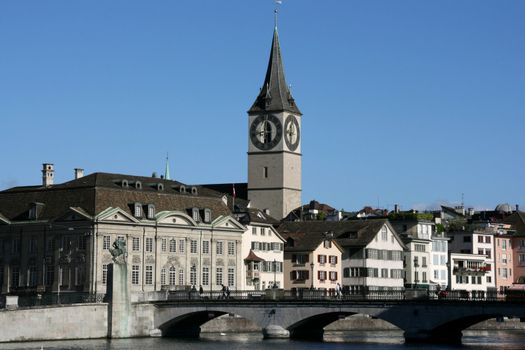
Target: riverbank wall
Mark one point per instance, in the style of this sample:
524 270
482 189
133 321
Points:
54 323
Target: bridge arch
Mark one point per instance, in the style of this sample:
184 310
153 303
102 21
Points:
187 324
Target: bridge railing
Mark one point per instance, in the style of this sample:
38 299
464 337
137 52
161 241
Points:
59 299
306 295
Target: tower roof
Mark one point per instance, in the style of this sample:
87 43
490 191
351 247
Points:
275 94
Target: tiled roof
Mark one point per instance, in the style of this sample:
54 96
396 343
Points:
98 191
347 233
256 216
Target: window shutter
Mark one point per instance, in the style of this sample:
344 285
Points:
335 260
294 258
319 258
319 275
307 258
335 276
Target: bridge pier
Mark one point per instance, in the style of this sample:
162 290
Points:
422 336
274 331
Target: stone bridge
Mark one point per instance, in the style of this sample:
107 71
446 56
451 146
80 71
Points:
422 321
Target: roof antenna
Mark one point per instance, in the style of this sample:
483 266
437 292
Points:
276 11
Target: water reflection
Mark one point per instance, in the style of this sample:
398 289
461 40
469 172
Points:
334 340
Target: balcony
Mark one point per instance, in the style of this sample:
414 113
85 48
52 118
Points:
474 271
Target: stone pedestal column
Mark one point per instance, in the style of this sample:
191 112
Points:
119 301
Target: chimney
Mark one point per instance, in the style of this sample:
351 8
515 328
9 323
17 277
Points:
48 174
79 173
396 208
266 211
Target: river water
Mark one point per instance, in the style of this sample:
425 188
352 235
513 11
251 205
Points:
370 340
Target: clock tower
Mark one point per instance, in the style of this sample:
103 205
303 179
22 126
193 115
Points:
274 143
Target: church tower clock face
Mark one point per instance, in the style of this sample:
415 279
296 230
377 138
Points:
292 134
266 132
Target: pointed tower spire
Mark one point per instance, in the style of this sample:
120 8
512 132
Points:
167 170
275 94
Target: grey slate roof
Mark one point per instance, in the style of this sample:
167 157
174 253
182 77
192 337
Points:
275 94
98 191
353 233
254 215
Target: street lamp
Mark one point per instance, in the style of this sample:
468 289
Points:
312 277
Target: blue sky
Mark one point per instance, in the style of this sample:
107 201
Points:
411 102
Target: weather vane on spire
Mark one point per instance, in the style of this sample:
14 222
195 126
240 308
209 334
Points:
276 10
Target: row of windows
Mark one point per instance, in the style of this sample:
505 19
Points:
65 243
460 279
396 255
269 266
175 246
67 276
262 231
174 276
372 272
268 246
322 259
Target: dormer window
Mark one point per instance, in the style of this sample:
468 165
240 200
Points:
125 184
137 212
194 191
207 215
182 189
151 211
160 187
138 185
195 214
32 212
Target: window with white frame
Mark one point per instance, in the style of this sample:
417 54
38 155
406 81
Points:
195 214
321 275
163 244
193 246
207 215
205 247
193 275
163 277
263 231
254 231
219 248
149 274
384 234
173 276
321 259
173 245
149 244
218 276
231 248
106 242
333 259
137 210
135 244
181 277
333 275
151 211
181 245
135 273
205 275
104 273
231 276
